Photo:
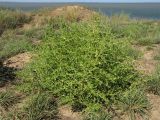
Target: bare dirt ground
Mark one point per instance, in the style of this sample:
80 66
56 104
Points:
18 61
10 66
67 114
147 65
155 102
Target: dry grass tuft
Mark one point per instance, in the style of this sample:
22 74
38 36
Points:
70 13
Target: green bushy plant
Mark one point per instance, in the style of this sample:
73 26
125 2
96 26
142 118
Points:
82 63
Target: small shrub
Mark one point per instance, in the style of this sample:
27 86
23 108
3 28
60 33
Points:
135 54
35 33
97 116
153 84
41 107
145 41
157 57
149 48
82 63
8 99
155 36
134 104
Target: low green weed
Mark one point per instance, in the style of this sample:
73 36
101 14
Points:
82 63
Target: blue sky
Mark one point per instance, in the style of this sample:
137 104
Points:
80 0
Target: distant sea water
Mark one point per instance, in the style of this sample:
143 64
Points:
137 10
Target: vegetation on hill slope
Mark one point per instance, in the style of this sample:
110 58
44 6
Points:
10 19
84 61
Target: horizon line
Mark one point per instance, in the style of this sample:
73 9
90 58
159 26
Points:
71 2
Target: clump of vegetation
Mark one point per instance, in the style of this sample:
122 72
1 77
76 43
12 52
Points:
148 41
8 99
157 56
83 64
153 84
149 36
35 33
11 44
135 104
10 19
87 63
74 13
41 106
139 32
97 116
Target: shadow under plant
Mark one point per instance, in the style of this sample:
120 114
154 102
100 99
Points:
7 74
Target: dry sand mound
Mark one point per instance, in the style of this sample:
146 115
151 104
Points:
73 12
69 13
18 61
147 64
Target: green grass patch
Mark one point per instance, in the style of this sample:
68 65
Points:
157 57
42 106
10 19
97 116
11 44
135 104
8 99
153 84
